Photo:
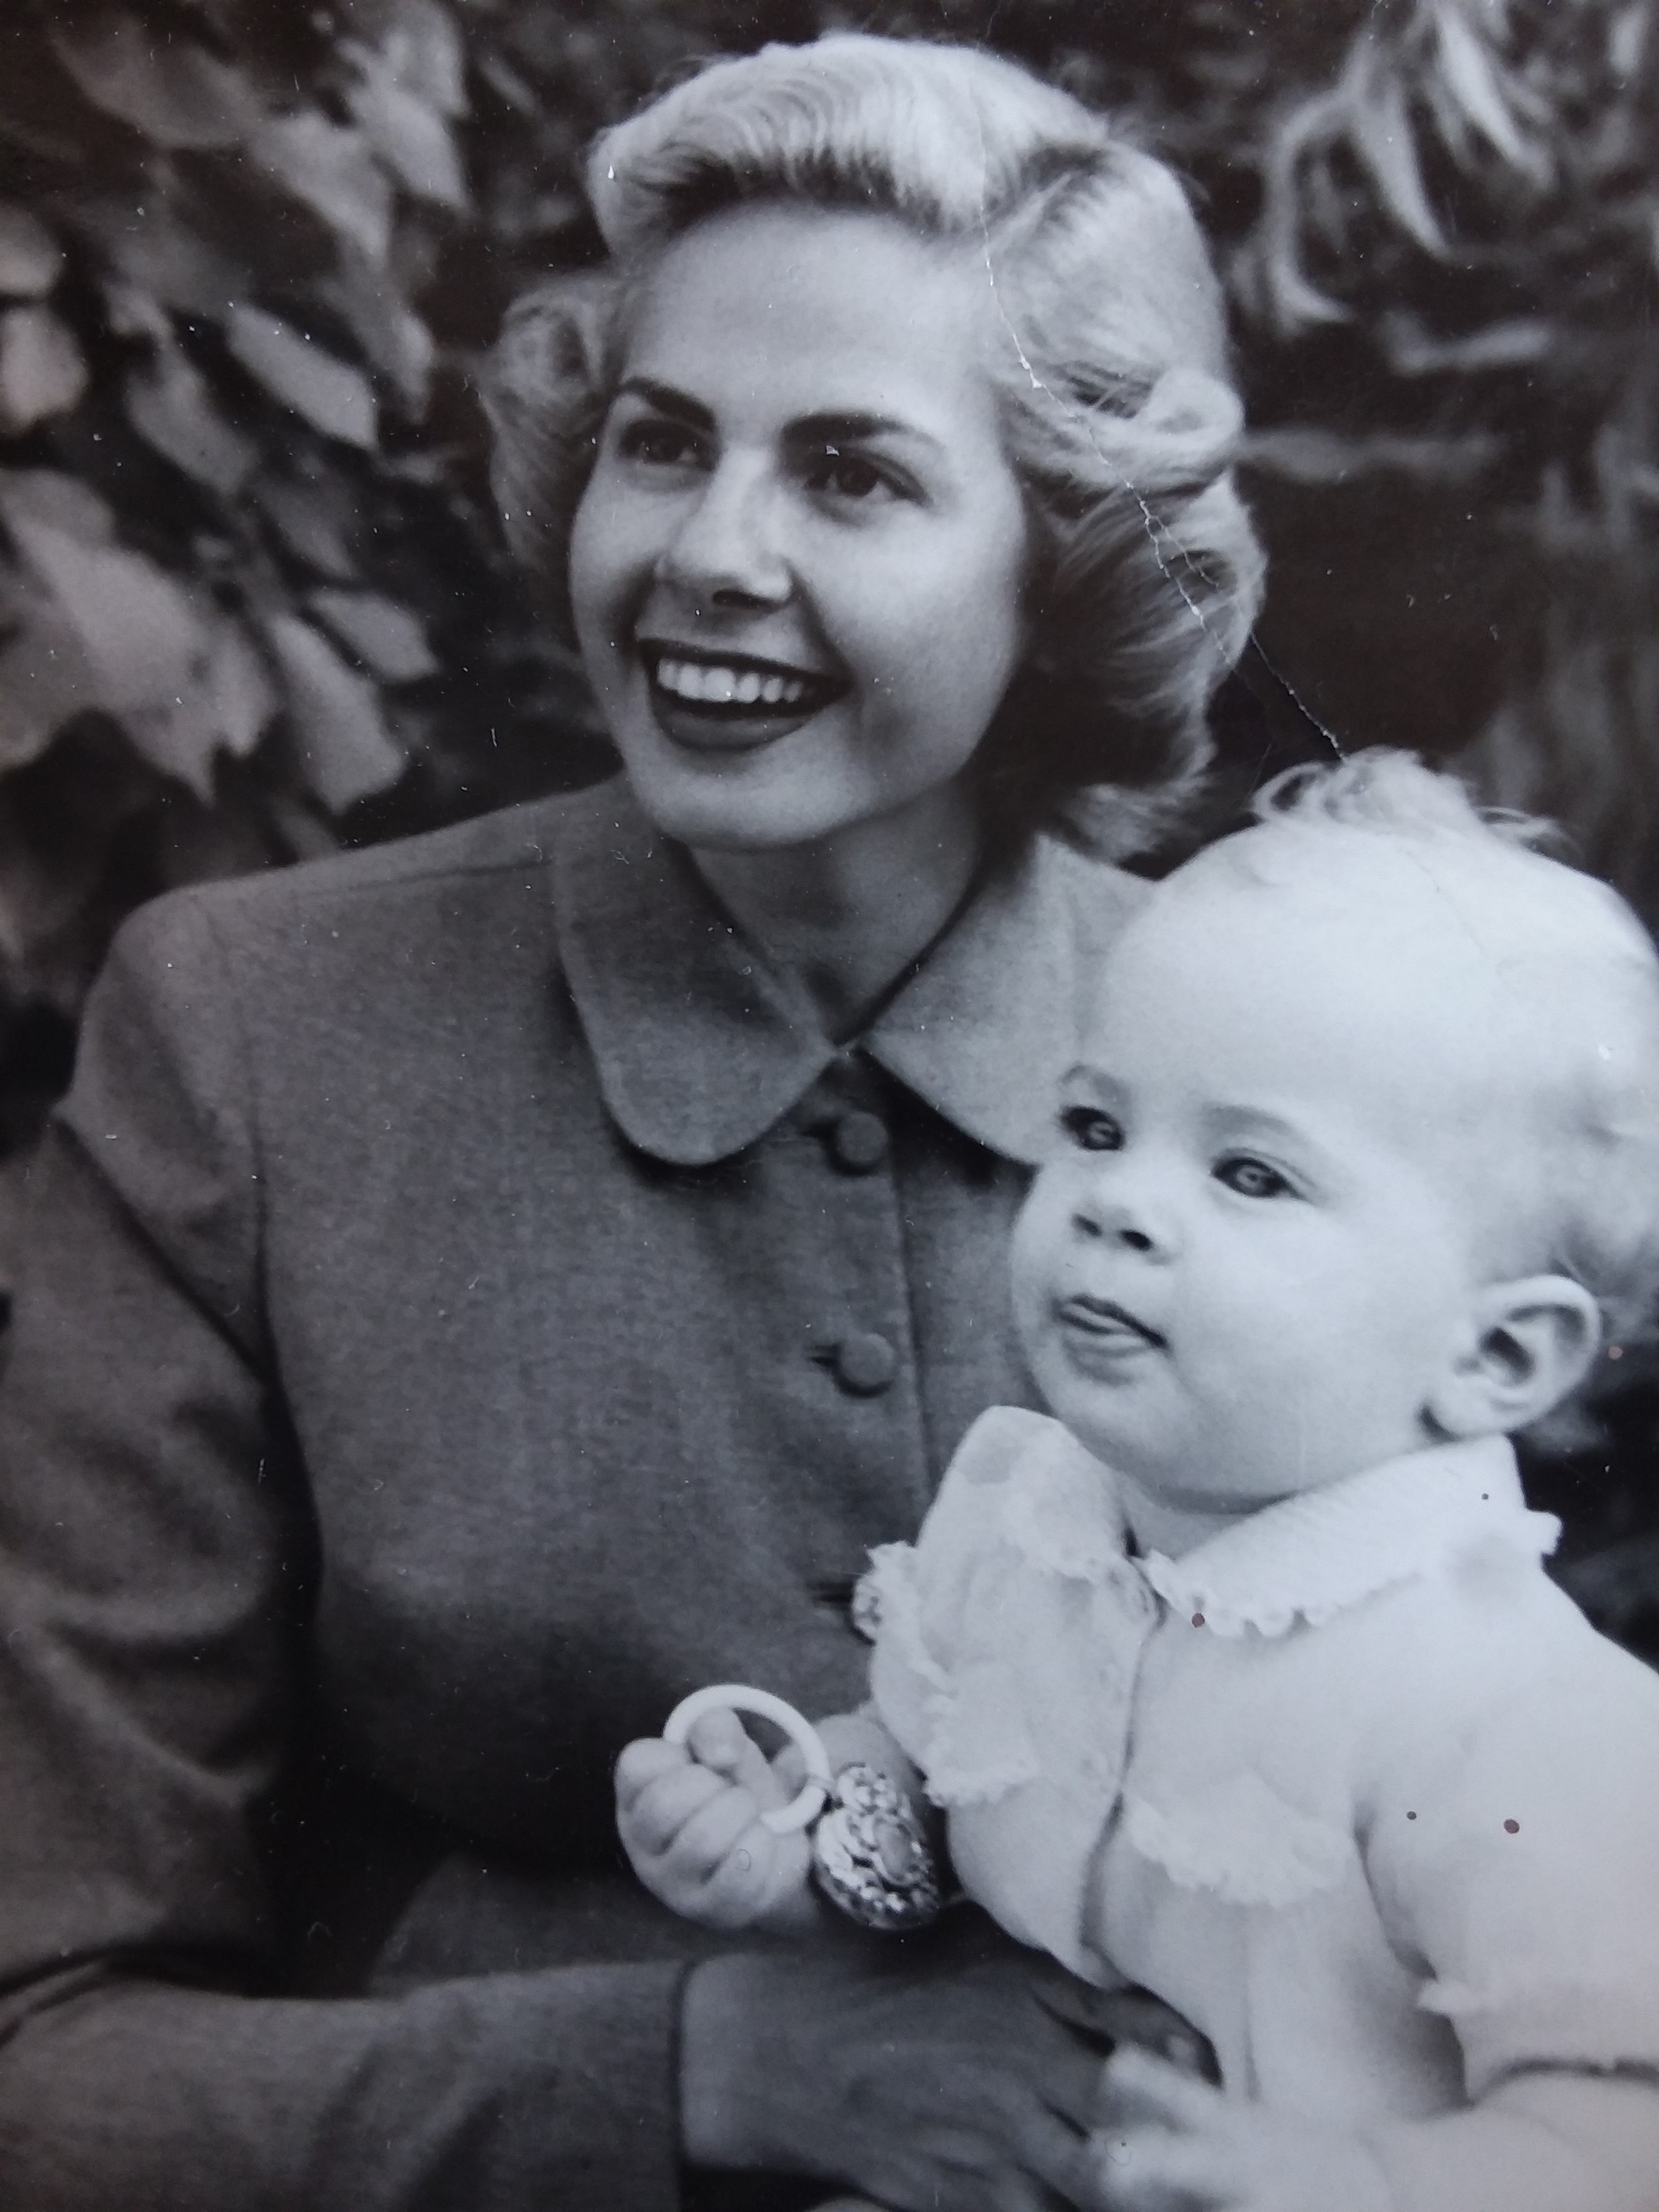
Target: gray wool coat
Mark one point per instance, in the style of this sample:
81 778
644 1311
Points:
468 1304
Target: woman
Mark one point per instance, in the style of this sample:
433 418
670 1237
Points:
486 1286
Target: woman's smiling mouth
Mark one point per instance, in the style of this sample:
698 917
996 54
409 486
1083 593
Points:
705 698
717 683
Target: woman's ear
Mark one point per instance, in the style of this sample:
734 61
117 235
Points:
1531 1343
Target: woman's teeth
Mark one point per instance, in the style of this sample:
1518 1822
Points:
709 684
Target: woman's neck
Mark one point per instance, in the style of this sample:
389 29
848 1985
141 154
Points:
847 914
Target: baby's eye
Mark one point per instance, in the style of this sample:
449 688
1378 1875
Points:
848 476
1091 1128
1253 1178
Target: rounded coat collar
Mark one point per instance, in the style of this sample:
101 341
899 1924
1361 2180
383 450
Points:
702 1045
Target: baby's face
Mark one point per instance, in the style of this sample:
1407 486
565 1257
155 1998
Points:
1255 1247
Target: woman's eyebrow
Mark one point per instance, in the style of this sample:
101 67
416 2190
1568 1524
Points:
666 400
831 427
851 428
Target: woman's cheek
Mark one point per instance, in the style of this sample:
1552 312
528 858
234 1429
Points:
613 550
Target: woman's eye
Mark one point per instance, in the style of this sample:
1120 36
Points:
1090 1129
1253 1178
658 444
846 476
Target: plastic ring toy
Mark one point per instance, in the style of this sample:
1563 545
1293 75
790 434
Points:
737 1697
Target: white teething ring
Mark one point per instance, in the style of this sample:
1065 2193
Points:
737 1697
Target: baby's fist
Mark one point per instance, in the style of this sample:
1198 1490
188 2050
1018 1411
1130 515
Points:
689 1819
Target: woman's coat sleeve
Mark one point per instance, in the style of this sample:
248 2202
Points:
154 1558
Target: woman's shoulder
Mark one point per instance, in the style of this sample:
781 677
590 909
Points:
440 901
1074 902
1103 893
516 842
321 973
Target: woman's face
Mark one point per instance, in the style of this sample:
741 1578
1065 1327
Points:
797 569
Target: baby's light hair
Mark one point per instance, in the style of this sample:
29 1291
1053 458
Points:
1543 926
1396 794
1118 410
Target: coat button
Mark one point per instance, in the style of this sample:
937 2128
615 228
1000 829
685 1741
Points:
865 1363
859 1141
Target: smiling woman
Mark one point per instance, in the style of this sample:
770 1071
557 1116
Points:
802 479
483 1289
1015 256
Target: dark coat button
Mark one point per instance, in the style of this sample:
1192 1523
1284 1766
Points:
858 1141
865 1363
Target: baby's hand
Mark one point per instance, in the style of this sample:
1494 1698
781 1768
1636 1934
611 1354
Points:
1166 2142
689 1820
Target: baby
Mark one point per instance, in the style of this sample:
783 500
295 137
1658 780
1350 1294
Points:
1239 1679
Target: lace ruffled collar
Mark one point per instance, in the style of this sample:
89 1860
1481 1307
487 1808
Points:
1307 1558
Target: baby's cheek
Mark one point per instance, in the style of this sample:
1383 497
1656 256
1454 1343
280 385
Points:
1029 1269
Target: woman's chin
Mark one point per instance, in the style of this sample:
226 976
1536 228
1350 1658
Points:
726 786
718 803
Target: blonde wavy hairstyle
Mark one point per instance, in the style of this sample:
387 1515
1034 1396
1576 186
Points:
1112 374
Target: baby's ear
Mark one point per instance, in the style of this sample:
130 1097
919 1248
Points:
1531 1343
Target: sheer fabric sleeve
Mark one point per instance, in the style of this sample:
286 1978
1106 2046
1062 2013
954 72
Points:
1526 1878
918 1592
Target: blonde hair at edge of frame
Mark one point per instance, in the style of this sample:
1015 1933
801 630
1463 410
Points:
1395 842
1111 369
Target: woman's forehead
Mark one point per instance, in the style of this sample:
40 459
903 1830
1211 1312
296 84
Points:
807 309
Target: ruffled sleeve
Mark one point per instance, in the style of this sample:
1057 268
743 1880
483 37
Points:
917 1596
1525 1872
1005 1658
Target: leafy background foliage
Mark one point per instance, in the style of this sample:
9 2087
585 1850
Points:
253 603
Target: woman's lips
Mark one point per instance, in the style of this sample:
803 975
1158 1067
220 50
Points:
728 702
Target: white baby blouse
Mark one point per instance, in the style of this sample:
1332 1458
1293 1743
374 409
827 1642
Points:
1352 1785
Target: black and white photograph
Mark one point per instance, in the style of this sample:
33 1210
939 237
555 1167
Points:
829 1106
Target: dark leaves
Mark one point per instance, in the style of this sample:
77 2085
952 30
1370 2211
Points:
172 404
175 93
330 395
31 259
41 371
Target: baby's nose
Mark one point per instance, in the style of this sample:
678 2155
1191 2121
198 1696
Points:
1120 1210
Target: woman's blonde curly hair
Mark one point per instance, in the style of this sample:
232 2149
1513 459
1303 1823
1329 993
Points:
1120 418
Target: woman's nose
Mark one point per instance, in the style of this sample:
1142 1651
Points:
726 550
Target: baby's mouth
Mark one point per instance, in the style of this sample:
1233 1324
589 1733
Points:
735 686
1106 1323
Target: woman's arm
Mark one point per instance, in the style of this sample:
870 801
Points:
155 1563
953 2069
156 1571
